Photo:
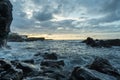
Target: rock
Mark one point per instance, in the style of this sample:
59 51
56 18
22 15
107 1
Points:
51 56
5 21
4 64
56 76
89 41
104 66
8 72
82 74
28 69
51 63
31 61
53 73
102 43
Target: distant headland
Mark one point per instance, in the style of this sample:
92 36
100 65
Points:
15 37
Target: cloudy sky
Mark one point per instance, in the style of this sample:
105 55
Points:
67 18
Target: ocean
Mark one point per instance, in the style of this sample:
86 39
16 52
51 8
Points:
73 52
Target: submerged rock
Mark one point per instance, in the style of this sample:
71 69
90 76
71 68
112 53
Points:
52 63
82 74
103 65
51 56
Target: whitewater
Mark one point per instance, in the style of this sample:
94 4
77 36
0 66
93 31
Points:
73 52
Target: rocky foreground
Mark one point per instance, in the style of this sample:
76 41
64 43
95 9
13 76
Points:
102 43
48 67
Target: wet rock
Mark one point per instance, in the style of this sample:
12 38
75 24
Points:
102 43
82 74
4 64
103 65
52 63
53 73
51 56
8 72
31 61
90 41
28 69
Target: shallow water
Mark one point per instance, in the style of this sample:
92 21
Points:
73 52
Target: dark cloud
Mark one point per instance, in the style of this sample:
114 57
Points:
72 15
43 16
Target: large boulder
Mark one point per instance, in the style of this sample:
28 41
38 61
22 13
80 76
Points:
27 68
51 56
82 74
8 72
103 65
5 21
102 43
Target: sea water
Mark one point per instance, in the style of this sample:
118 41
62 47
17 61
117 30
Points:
73 52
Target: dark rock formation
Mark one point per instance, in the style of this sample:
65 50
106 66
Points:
56 64
104 66
82 74
8 72
28 69
102 43
15 37
35 39
51 56
5 21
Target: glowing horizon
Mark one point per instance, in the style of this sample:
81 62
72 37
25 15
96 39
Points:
76 36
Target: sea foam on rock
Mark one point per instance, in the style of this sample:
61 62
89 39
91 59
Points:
56 69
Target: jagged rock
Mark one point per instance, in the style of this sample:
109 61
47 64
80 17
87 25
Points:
8 72
53 73
28 69
82 74
90 41
5 21
56 76
102 43
51 63
103 65
51 56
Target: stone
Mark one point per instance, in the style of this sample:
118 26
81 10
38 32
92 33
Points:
31 61
80 73
27 68
51 56
102 43
5 21
51 63
8 72
103 65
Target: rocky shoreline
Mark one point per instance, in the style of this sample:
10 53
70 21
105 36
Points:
102 43
48 66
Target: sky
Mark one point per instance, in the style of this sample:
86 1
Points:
67 19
